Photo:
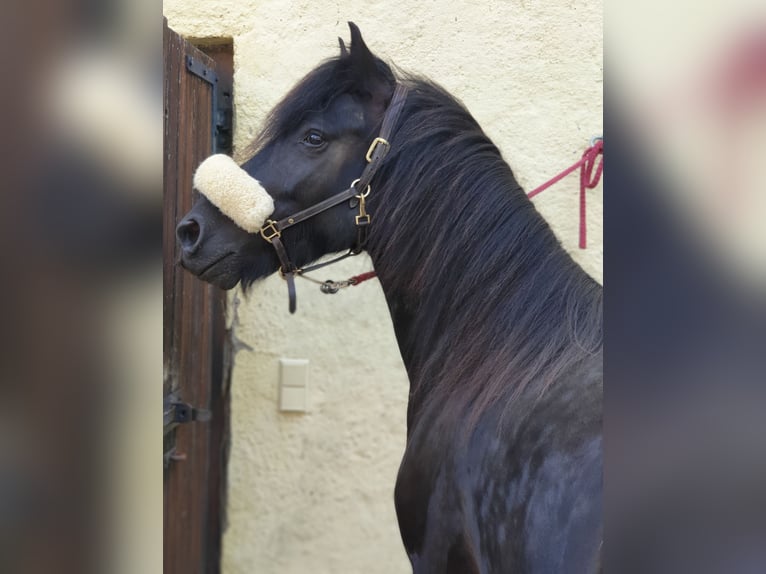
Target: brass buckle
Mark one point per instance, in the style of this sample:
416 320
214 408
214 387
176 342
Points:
271 229
373 145
283 273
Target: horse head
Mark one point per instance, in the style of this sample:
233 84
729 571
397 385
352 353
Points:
313 146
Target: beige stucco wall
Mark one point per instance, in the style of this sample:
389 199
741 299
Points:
313 492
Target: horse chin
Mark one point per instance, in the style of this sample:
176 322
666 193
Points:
223 274
225 278
225 281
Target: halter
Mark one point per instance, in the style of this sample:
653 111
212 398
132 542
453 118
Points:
379 148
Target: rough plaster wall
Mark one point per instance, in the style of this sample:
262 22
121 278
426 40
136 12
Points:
313 492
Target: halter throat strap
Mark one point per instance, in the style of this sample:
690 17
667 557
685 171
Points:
379 148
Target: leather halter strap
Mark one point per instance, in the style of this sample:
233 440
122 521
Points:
379 148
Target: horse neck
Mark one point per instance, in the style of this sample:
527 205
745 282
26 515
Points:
470 270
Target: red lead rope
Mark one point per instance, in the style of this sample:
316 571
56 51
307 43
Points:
357 279
588 179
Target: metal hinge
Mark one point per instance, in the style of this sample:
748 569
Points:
176 412
221 124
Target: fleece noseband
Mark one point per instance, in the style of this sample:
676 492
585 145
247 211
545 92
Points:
231 189
243 199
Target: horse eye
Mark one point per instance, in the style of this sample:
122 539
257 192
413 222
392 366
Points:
313 138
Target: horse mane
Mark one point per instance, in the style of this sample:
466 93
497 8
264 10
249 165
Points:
502 309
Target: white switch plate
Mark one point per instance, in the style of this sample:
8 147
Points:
293 383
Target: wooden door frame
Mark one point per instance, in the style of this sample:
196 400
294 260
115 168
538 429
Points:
196 349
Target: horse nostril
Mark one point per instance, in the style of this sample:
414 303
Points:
188 233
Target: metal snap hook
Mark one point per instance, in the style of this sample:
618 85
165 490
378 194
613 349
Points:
329 287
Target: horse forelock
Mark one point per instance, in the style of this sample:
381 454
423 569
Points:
313 94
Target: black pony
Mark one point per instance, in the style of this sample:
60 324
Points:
499 329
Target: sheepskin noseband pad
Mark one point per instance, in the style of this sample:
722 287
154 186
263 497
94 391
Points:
229 187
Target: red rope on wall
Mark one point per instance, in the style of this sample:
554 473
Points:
588 180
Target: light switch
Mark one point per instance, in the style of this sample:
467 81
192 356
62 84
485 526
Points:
293 380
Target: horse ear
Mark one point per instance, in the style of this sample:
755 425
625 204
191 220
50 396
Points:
369 79
362 60
343 51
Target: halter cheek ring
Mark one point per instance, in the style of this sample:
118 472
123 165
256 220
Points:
230 188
